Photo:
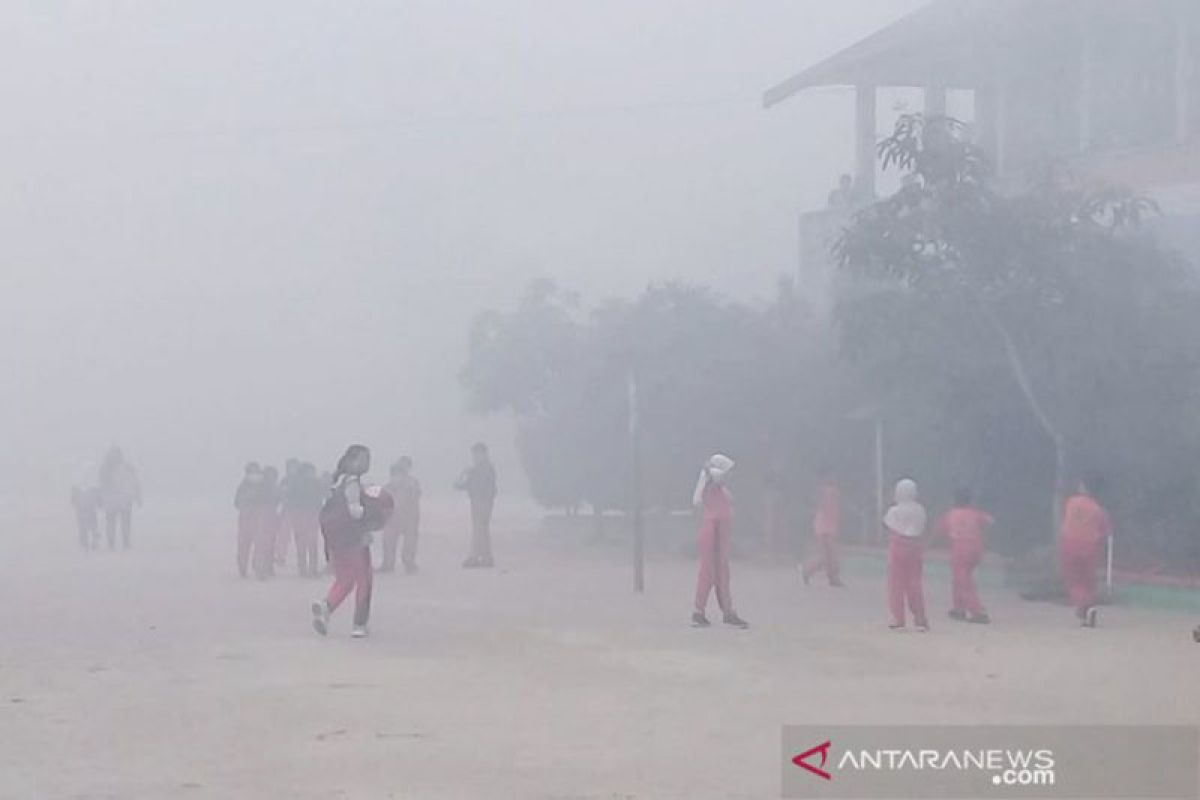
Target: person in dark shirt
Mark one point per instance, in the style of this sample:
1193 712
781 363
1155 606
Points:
406 519
287 487
302 499
120 491
248 501
479 482
269 524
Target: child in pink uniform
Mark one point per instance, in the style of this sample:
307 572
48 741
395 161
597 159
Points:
1085 531
964 525
905 524
827 523
714 499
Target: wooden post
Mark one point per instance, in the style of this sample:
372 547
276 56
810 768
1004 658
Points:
879 487
1108 571
635 488
864 143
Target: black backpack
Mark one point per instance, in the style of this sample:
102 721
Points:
341 530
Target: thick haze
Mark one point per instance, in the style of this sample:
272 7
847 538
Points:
236 230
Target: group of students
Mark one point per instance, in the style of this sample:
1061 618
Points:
1084 532
273 513
114 494
1083 535
337 514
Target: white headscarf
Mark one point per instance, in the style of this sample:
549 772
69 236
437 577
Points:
907 516
716 468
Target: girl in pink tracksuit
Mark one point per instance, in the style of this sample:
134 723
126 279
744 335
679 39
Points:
713 498
351 514
905 524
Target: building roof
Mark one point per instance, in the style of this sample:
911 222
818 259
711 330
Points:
940 44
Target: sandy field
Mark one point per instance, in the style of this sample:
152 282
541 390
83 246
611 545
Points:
159 674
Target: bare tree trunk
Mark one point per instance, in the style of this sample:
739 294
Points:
1021 375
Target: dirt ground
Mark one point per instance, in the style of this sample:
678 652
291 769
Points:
159 674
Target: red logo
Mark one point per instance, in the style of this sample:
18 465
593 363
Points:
800 761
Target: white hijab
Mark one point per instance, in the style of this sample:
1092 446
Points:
716 468
907 516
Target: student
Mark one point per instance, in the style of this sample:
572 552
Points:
291 474
714 500
405 521
304 508
479 482
905 524
964 525
119 492
827 522
1085 530
86 503
248 500
348 517
268 527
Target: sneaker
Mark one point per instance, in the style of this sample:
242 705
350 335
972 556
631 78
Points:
359 632
736 621
898 627
699 620
487 562
836 584
980 619
958 614
472 562
922 627
320 617
1089 617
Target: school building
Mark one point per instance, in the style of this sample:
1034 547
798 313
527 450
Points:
1110 87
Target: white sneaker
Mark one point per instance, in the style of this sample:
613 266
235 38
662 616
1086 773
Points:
320 617
359 632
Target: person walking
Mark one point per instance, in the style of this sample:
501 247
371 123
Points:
350 514
905 524
715 502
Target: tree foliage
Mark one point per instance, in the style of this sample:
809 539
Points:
712 375
1038 307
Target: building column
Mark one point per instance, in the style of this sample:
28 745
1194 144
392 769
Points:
1183 77
1086 90
1001 153
864 142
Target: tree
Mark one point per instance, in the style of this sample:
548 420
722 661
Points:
1052 285
712 375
